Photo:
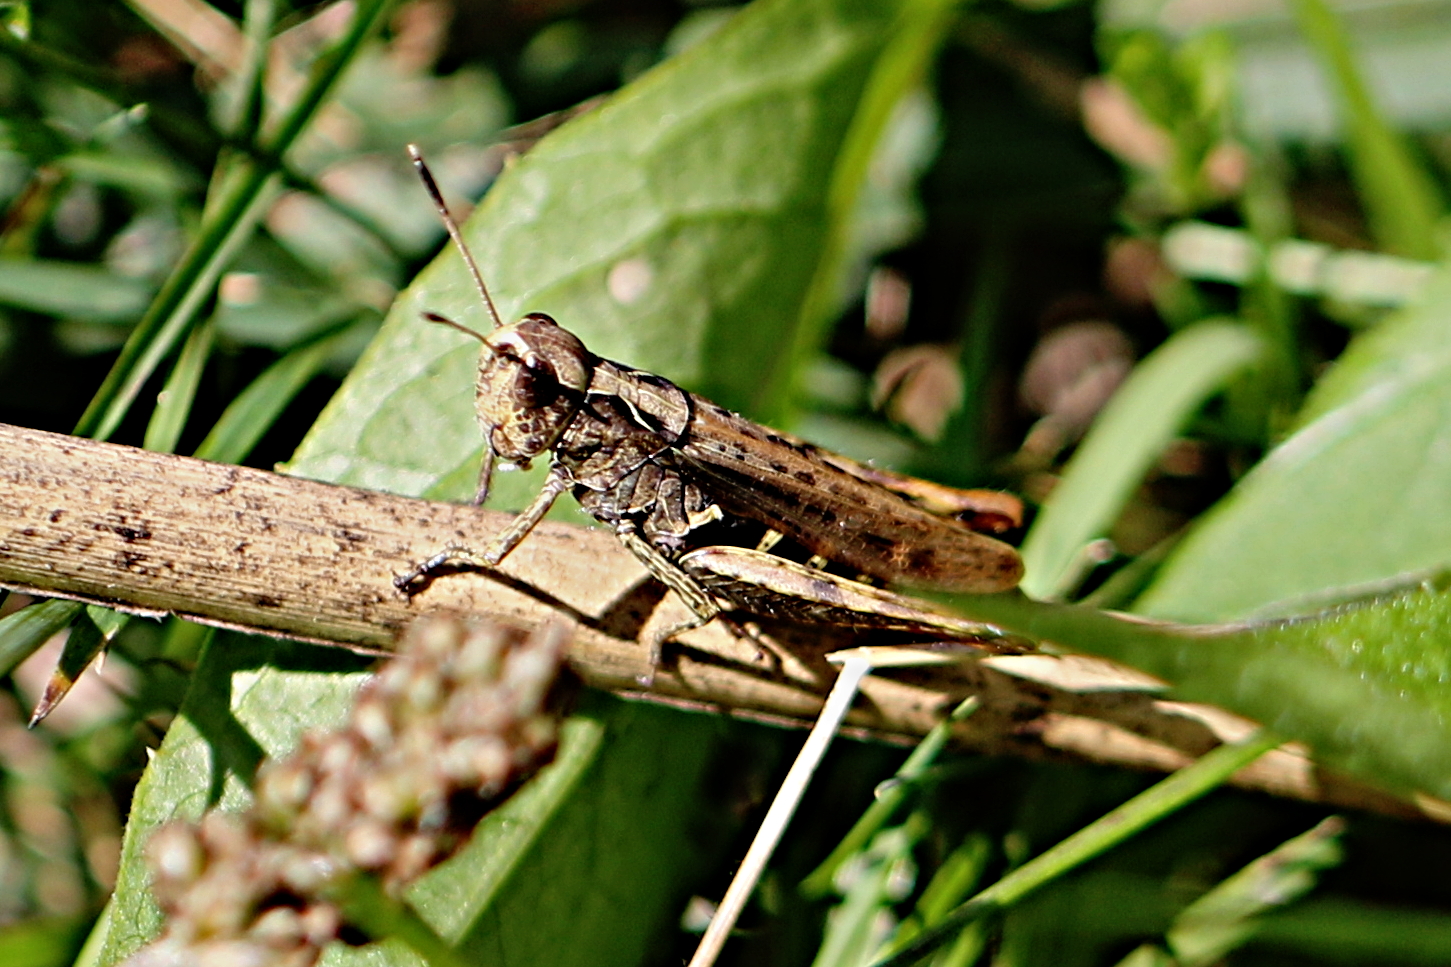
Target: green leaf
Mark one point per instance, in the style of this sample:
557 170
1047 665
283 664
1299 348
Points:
85 641
90 293
618 831
1213 253
1224 918
1400 197
23 632
960 873
173 403
1154 403
15 18
591 835
257 407
40 942
674 229
1346 931
249 697
900 69
889 798
232 211
1363 685
1157 802
154 178
1359 496
877 883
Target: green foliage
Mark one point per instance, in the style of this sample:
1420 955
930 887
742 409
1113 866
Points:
678 227
1355 498
1401 200
1150 408
1187 90
708 222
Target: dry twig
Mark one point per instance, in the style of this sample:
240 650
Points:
158 534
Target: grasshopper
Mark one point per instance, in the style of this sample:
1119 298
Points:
698 493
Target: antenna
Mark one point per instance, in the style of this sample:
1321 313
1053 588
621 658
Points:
458 241
446 321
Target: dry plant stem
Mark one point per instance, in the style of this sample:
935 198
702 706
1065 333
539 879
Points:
158 534
783 807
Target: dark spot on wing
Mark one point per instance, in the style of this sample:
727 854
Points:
922 560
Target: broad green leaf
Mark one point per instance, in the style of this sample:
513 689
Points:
675 229
591 835
1358 496
1362 685
249 697
1154 403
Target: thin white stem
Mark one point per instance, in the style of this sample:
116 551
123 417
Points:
838 703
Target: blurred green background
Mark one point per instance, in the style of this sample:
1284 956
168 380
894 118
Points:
937 236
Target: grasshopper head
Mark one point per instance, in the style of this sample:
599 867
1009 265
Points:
532 380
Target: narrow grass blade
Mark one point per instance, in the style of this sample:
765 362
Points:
24 631
258 17
90 293
1400 197
1153 404
856 924
241 203
173 404
82 645
954 880
890 797
1224 918
257 407
1156 803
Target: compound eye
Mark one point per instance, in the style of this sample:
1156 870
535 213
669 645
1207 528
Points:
532 391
